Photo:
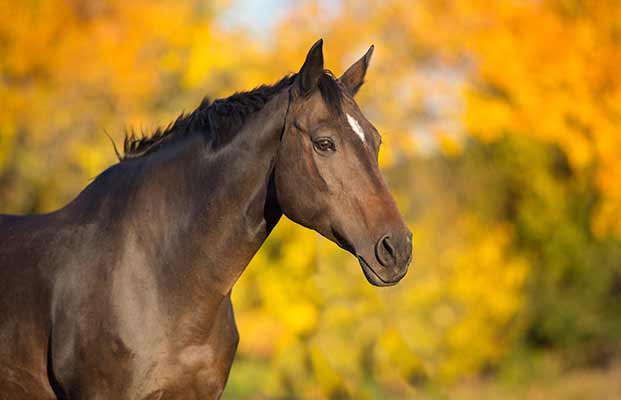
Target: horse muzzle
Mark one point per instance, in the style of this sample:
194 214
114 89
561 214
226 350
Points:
389 261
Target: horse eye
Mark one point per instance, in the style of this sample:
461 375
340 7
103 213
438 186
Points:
324 144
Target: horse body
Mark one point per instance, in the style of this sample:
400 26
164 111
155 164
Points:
99 323
125 292
23 341
131 293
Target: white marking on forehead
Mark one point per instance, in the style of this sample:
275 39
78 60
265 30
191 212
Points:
356 127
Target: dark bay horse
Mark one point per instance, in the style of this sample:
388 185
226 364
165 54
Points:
125 292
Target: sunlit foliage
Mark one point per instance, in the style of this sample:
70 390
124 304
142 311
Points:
71 73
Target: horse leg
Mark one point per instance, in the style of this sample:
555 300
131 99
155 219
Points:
20 384
23 376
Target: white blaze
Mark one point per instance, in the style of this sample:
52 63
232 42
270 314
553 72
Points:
355 126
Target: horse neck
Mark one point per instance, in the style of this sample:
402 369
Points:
238 185
192 212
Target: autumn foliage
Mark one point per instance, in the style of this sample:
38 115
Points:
501 123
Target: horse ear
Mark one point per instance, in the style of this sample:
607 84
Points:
312 69
353 78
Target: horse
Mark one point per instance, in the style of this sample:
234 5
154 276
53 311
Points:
125 292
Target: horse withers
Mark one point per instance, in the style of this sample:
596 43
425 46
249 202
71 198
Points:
125 292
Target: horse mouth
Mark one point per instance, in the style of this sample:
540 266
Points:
373 277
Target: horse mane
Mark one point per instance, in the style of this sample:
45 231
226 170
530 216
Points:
220 120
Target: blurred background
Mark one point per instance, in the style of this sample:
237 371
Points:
502 145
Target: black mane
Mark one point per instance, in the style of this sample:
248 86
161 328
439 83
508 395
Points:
221 119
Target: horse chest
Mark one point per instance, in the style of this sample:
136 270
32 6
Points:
184 363
197 370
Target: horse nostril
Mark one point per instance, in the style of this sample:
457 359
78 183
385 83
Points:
385 252
388 246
